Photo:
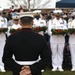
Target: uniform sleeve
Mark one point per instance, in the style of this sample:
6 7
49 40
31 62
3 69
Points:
45 24
45 59
66 24
5 23
1 22
8 60
49 27
73 24
69 24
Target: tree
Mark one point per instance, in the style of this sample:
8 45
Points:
18 3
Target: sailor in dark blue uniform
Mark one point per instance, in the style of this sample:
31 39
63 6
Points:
26 46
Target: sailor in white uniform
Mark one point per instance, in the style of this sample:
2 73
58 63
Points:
57 42
39 22
2 41
15 25
72 44
4 13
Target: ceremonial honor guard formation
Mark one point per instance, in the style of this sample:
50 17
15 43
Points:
30 41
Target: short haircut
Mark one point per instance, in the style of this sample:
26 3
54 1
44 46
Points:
26 20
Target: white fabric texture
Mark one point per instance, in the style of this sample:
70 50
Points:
57 41
72 44
2 43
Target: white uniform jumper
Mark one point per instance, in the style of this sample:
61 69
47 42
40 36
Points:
39 23
14 26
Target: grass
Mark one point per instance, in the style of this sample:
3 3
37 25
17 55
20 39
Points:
6 73
47 72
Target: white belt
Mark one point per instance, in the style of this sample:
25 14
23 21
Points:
26 62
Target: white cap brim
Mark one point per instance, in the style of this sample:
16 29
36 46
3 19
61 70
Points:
15 17
64 16
23 14
37 11
57 11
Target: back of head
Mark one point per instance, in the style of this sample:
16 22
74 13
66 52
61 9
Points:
26 20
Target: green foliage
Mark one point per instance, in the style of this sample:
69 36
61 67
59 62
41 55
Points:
71 31
59 31
44 28
38 29
14 30
3 30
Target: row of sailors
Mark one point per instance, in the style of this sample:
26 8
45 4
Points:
14 24
3 24
56 42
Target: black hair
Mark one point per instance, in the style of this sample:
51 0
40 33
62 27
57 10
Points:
26 20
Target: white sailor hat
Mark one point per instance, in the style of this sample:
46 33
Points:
57 11
16 17
37 11
64 16
23 14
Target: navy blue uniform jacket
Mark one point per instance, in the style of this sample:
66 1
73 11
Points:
26 45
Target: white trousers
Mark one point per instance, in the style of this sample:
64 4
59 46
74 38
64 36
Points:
57 55
57 48
2 43
72 51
